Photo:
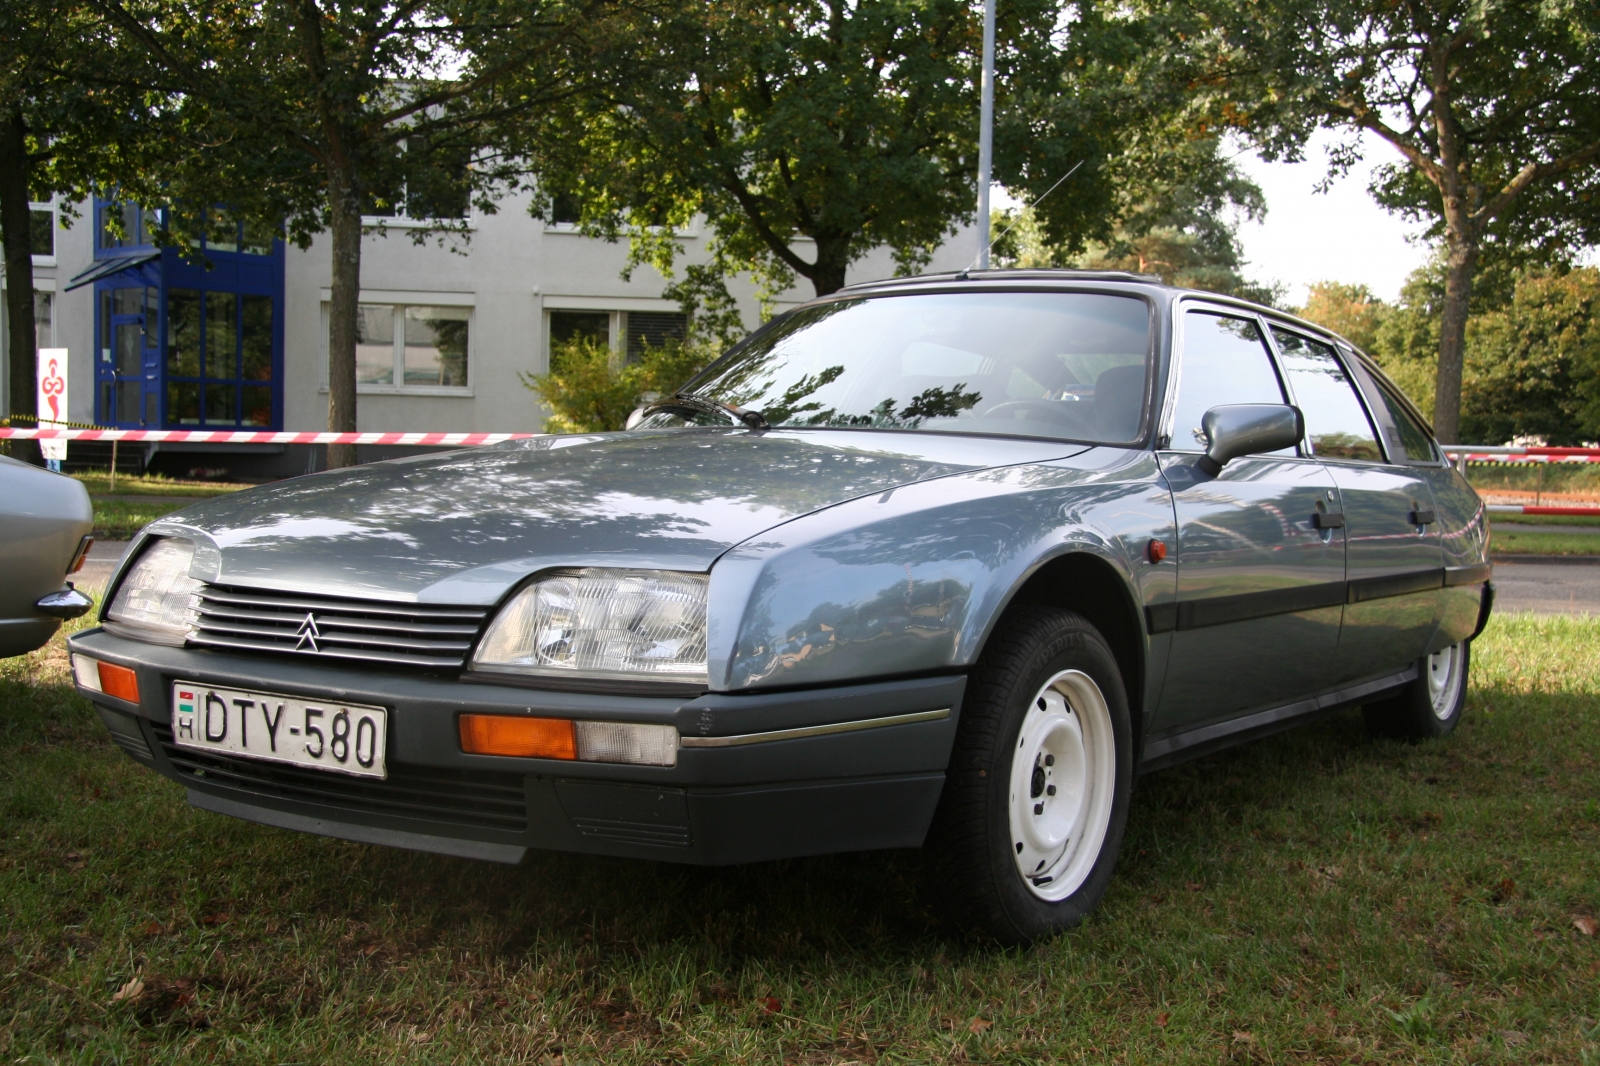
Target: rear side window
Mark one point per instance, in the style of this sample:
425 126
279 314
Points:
1335 420
1224 361
1412 440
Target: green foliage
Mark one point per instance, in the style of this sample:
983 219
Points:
1532 366
590 390
1491 110
1183 228
854 127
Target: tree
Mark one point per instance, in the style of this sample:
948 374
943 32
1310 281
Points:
1350 310
1493 108
69 103
808 132
312 113
1182 227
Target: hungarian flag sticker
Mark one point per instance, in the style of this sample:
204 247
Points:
183 720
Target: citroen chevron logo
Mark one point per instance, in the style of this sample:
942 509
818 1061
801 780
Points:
308 633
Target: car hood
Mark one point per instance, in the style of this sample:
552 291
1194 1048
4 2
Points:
464 527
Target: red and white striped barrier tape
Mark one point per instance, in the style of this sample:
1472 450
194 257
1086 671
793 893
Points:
1510 453
1517 508
197 436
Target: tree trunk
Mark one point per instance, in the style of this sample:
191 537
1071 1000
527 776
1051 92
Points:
833 257
16 231
344 203
1461 265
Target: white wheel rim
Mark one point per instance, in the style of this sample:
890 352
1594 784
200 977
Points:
1444 680
1063 778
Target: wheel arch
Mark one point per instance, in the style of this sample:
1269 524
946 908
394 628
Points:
1093 587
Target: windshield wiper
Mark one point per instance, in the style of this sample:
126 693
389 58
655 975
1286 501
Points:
741 415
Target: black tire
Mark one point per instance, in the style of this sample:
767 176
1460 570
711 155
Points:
1420 711
973 868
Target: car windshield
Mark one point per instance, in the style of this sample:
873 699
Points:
1064 365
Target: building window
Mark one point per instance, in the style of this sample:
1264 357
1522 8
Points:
653 329
119 225
42 232
433 184
567 326
218 358
412 345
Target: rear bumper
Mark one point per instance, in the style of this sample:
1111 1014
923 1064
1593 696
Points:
800 795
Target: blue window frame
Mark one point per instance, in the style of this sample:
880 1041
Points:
187 345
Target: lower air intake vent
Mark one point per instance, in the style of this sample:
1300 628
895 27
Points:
474 798
402 634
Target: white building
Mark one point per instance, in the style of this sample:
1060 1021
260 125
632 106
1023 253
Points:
449 326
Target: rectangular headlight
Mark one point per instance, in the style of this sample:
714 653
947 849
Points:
602 623
155 600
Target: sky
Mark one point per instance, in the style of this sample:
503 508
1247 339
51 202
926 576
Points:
1340 235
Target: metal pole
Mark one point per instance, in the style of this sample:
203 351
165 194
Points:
986 134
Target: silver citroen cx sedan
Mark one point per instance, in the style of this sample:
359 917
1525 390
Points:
940 562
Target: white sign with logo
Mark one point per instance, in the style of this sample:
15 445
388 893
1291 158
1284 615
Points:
52 398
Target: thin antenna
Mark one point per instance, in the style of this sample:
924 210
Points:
984 254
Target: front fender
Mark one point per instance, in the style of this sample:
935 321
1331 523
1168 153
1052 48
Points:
913 580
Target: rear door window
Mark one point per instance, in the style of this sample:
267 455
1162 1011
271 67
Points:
1336 421
1408 438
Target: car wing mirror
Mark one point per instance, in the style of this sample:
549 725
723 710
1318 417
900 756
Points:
1248 429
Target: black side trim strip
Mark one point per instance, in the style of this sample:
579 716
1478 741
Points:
1173 749
1485 608
1161 617
1467 575
1376 588
1220 610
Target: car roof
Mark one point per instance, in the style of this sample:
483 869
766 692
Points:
1067 276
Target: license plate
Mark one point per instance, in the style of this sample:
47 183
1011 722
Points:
342 737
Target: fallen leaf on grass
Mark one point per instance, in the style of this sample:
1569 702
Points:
979 1025
1193 886
1332 873
1242 1037
215 919
1513 1038
770 1005
154 929
1504 890
1586 925
129 991
1163 1018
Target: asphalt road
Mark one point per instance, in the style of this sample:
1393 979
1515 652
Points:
1547 585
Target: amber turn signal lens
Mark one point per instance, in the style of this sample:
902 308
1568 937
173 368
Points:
1156 550
506 734
119 681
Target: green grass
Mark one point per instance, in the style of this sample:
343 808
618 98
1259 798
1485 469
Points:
140 500
1505 540
1314 897
1545 520
98 482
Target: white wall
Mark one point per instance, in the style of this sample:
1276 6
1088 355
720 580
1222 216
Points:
512 270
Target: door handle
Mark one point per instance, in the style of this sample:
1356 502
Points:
1325 520
1422 518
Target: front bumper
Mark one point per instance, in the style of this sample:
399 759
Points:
800 795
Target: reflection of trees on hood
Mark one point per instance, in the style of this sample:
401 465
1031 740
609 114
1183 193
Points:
557 492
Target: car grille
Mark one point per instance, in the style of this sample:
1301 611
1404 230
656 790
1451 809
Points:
404 634
474 798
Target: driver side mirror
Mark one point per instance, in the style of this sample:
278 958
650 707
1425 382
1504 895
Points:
1248 429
